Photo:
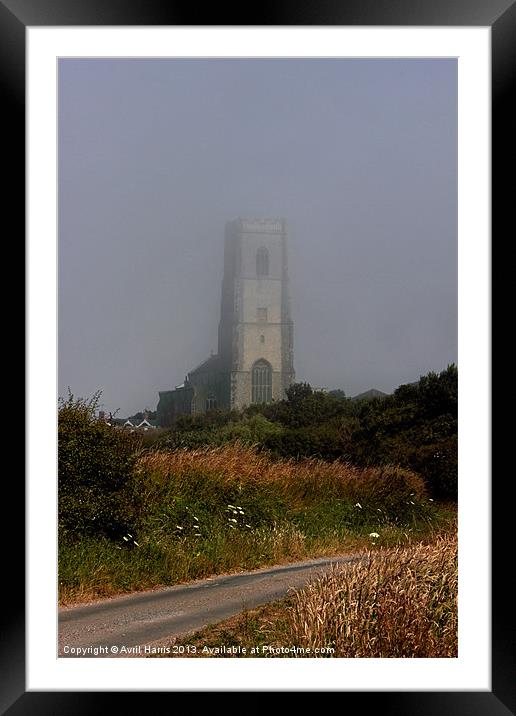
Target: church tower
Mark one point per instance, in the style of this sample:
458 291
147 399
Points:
254 363
255 330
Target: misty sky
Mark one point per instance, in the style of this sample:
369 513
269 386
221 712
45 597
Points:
359 156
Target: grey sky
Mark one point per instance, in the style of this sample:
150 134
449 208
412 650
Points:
359 156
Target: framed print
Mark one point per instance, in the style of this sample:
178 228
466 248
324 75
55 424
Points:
50 50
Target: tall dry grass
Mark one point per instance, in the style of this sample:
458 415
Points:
301 482
400 603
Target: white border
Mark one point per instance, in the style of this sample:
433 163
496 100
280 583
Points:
471 670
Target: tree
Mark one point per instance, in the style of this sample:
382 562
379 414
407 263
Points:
337 393
297 392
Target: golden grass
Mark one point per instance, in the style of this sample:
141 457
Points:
302 481
396 603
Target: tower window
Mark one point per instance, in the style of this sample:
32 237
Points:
261 314
261 378
262 262
262 339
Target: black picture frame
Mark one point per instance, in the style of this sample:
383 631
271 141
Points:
500 16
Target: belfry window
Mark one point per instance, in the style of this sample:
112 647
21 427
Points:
261 378
262 262
261 315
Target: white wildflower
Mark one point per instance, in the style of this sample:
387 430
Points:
373 534
358 505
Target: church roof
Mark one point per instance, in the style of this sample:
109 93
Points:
211 363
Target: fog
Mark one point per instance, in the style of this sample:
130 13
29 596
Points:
359 157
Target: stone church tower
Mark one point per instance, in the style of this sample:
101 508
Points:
254 363
255 330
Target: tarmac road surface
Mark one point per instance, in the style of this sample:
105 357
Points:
158 616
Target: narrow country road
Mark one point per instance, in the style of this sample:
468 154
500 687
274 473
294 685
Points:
102 628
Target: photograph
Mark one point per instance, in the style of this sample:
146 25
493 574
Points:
258 365
259 251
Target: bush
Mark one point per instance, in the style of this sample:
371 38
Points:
304 407
437 464
95 464
324 442
245 429
251 430
416 427
189 439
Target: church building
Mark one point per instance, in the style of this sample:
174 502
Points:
254 362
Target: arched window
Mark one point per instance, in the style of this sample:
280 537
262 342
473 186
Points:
262 262
211 403
261 378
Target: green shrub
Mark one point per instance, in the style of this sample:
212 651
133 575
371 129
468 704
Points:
304 407
95 464
251 430
190 439
437 464
322 442
245 429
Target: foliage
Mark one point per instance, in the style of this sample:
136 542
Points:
253 429
320 442
337 393
250 430
139 416
415 428
304 407
95 463
210 420
206 511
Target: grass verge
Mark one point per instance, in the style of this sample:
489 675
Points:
213 511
